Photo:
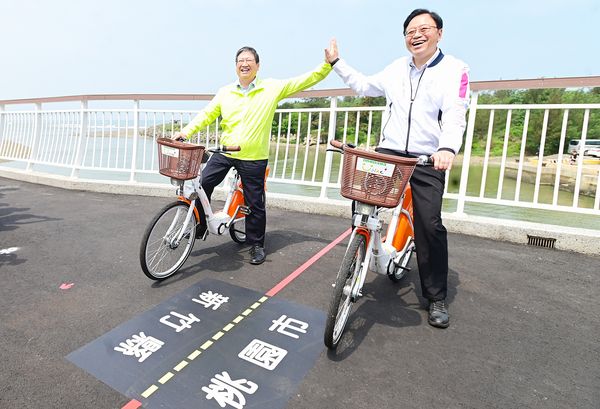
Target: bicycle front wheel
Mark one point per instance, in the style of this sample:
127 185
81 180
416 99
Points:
165 247
341 301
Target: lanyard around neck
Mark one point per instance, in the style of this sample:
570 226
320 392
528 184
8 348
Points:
435 61
412 99
413 96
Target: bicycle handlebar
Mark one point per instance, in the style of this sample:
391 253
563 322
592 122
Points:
225 148
337 144
234 148
219 148
423 160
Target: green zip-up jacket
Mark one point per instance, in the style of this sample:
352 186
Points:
247 118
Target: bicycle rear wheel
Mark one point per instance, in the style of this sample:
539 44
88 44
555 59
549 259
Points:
396 272
161 254
237 231
341 302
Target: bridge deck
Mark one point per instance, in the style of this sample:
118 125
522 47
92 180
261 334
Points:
524 324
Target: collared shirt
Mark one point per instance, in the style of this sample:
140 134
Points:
416 72
250 86
247 116
411 120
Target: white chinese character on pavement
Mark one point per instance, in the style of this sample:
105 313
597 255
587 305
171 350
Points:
263 354
210 299
185 321
284 323
226 391
141 346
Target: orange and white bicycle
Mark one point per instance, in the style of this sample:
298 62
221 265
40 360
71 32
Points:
374 181
170 236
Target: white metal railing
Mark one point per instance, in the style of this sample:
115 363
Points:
106 143
556 168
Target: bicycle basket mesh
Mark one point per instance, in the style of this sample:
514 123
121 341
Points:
178 160
375 178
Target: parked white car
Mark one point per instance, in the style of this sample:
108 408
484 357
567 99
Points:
595 152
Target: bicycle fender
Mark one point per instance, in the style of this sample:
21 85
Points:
364 232
189 202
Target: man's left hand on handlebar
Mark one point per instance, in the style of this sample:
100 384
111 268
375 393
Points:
442 160
179 136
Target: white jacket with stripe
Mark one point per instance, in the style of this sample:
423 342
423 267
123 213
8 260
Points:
443 93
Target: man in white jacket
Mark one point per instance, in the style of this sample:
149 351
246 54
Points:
427 97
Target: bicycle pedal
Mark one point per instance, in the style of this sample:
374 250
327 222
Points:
203 236
245 210
201 231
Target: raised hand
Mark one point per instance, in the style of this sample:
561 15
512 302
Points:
332 53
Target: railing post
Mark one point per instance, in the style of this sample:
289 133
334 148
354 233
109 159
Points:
37 132
136 124
83 125
1 126
329 154
464 176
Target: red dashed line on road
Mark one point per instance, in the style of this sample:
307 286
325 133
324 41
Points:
308 263
133 404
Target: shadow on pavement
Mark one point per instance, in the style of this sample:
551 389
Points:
12 217
384 303
231 256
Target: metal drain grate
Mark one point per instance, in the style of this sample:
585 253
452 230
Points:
539 241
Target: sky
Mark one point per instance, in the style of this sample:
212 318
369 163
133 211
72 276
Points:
74 47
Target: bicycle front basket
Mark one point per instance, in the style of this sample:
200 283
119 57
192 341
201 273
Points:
375 178
179 160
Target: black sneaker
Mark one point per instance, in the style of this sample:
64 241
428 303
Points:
257 254
438 314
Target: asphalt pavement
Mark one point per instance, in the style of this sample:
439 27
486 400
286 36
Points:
524 333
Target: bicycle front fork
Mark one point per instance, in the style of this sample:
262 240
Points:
355 288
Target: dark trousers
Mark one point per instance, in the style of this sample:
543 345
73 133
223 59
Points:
430 234
252 173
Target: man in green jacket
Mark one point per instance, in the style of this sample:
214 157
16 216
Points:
246 108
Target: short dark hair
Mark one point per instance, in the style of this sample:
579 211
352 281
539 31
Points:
417 12
249 49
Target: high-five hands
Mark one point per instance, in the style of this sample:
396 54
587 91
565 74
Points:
332 53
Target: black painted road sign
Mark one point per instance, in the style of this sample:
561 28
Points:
214 345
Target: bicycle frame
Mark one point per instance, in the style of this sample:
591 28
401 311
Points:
380 253
220 221
170 236
374 181
233 210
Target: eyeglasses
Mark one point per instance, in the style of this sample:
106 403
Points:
243 60
422 29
